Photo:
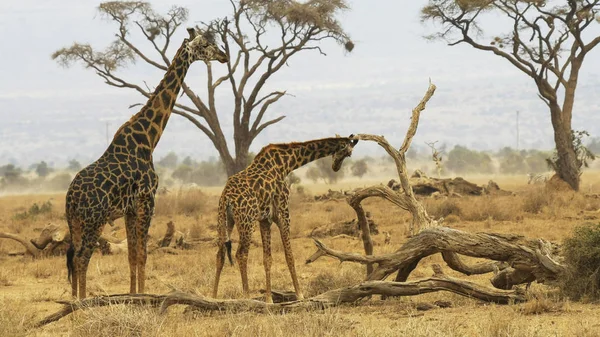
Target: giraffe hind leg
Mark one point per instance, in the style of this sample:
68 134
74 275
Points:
143 222
242 254
74 247
265 234
224 229
81 259
218 268
284 230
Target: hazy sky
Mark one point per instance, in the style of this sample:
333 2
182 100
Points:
55 114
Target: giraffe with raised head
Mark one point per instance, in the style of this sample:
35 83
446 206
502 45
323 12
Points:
122 182
260 193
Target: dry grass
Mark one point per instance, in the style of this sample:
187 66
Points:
189 202
29 288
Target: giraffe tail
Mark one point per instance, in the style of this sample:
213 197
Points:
229 223
70 267
228 247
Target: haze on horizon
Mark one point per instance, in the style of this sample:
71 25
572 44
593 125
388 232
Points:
55 114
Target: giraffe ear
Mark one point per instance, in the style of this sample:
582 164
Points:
192 33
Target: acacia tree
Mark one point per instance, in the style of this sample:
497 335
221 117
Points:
546 40
260 37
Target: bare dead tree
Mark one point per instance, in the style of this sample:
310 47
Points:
547 41
436 156
248 37
518 260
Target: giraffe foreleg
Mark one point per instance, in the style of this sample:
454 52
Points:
284 230
132 238
265 234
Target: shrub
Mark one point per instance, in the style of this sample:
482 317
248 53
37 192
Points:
321 169
333 279
582 258
534 201
184 202
442 209
59 182
34 211
359 168
463 160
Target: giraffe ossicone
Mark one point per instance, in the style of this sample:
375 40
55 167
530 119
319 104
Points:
260 194
122 182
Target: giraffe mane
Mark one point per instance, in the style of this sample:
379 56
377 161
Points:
274 146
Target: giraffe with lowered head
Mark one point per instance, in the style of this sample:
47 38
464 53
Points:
260 193
122 182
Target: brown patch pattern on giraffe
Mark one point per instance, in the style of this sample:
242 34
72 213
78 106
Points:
122 182
260 194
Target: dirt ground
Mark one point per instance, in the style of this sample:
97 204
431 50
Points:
29 288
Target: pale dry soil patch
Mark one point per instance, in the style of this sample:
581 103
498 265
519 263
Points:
28 288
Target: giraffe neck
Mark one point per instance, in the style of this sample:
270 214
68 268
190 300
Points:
145 128
288 157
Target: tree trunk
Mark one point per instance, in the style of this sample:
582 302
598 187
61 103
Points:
567 167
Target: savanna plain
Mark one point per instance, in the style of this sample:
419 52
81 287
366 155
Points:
29 288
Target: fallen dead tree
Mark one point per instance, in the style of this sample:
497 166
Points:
517 260
52 241
332 298
428 186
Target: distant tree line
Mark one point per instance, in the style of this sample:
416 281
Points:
459 160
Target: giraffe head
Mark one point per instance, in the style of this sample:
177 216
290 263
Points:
343 152
202 46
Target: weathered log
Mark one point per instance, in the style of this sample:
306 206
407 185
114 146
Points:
166 240
51 233
111 246
438 282
537 258
53 240
30 248
455 262
429 186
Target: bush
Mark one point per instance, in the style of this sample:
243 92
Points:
183 202
464 160
59 182
535 201
442 209
359 168
292 179
321 169
582 257
34 211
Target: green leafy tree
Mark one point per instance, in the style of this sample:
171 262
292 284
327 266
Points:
74 165
359 168
547 41
42 169
463 160
169 161
512 161
183 173
584 154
